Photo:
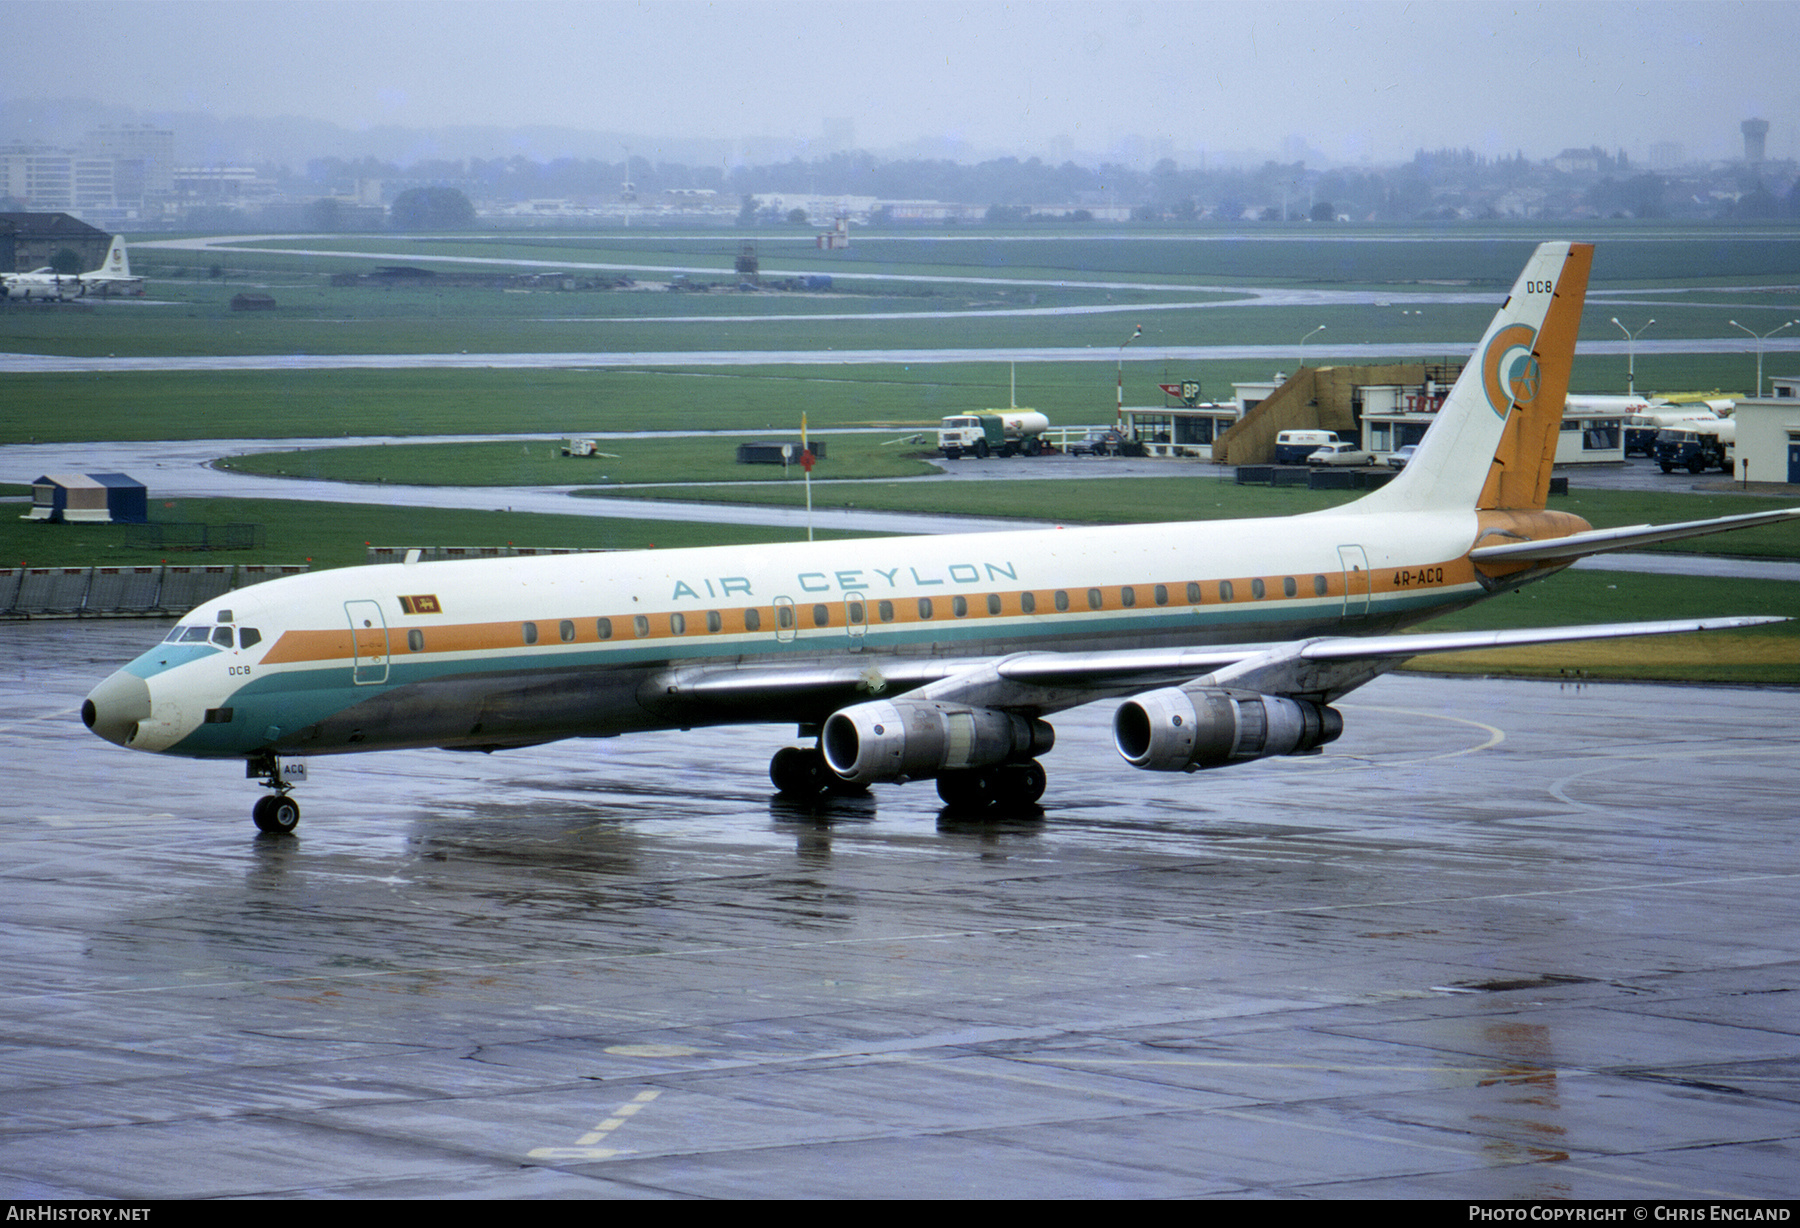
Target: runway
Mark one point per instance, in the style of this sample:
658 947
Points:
1504 940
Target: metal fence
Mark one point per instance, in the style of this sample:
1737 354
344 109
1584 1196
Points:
192 535
124 592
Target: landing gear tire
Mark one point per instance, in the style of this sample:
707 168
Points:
1006 787
798 772
1024 783
278 814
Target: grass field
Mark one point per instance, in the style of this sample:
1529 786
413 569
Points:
1297 253
338 534
1206 493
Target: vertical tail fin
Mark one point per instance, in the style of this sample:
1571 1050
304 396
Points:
1494 440
118 264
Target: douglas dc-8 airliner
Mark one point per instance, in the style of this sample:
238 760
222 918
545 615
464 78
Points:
917 658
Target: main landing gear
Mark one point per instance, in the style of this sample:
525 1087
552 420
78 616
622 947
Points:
799 772
1004 786
278 814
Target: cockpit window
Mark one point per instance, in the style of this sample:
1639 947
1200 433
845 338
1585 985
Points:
196 635
248 637
222 637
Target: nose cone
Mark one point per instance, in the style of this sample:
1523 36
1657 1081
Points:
114 708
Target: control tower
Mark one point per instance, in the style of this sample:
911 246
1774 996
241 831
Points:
1756 132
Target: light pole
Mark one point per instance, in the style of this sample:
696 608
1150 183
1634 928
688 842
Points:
1309 336
1631 354
1119 414
1760 338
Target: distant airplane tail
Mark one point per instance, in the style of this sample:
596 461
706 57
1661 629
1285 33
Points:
117 264
1494 441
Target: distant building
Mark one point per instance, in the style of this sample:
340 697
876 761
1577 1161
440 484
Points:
31 240
98 498
1756 135
1768 434
145 158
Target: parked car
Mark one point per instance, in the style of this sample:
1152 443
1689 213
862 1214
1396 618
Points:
1398 459
1097 443
1340 454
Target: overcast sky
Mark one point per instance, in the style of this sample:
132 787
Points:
1355 81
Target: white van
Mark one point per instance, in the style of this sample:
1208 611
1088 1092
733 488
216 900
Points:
1293 447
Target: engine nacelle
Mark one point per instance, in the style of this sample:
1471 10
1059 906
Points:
918 739
1180 730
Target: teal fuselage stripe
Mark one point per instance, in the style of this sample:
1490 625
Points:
294 698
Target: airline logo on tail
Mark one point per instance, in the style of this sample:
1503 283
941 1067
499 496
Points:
1510 372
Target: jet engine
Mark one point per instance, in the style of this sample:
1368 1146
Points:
917 739
1182 730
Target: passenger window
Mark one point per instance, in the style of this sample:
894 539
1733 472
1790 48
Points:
640 625
1193 592
857 614
753 619
566 630
1318 586
604 627
784 617
993 603
1162 594
1257 590
1062 599
1226 592
1288 587
886 610
249 637
959 606
415 640
821 616
713 622
678 624
1095 600
1128 596
1028 602
924 607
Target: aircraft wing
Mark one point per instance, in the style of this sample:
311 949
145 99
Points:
1050 681
1599 541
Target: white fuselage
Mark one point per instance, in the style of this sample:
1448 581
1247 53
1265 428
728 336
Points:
509 651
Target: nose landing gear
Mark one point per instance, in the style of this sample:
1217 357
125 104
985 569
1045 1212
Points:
278 814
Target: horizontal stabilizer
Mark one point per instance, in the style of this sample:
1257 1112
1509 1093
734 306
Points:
1600 541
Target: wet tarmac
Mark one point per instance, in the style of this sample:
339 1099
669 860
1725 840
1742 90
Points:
1504 940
